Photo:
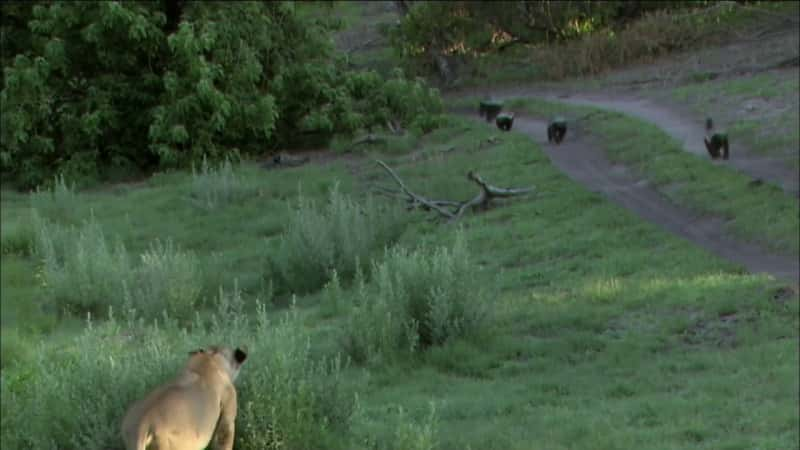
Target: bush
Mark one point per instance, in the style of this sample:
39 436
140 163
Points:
82 271
286 398
341 235
567 38
15 348
59 202
405 434
167 279
416 300
215 186
416 436
656 34
212 77
17 238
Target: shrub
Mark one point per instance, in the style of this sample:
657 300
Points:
286 398
167 279
82 271
15 348
17 238
402 433
340 235
209 77
416 299
59 202
416 436
213 187
656 34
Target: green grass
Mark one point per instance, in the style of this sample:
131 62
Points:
767 86
166 207
589 59
600 344
765 215
607 332
770 128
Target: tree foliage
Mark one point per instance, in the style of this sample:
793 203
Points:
464 28
89 86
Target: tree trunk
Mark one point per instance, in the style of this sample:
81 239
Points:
173 9
402 6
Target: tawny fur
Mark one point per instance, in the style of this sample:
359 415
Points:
187 412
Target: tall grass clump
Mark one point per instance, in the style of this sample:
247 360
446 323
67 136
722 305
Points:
166 279
15 348
656 34
17 237
338 235
84 271
287 398
400 432
58 203
216 186
415 300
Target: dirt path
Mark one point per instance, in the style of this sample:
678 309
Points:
587 165
688 132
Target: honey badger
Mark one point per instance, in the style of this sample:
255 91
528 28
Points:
504 121
557 129
718 141
489 109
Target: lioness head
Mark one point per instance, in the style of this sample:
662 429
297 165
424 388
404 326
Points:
230 360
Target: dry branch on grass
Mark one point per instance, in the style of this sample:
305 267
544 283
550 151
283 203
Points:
368 139
284 160
457 209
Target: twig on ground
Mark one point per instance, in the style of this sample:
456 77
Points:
487 193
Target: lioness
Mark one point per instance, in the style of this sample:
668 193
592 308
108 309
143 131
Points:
185 413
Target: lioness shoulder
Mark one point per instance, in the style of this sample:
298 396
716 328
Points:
187 412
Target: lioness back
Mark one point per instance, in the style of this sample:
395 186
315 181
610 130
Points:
191 409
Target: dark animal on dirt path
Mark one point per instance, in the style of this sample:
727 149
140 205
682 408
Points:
505 121
718 141
490 109
557 129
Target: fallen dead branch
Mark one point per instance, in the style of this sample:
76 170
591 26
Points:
394 127
368 139
284 160
457 209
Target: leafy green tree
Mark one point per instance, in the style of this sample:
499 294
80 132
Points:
430 29
82 100
140 85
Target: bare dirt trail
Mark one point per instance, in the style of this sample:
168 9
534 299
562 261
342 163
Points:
586 164
687 131
582 161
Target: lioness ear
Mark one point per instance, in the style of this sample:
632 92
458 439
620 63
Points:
193 352
239 355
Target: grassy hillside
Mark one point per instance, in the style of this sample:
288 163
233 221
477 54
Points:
555 320
684 178
762 110
605 331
